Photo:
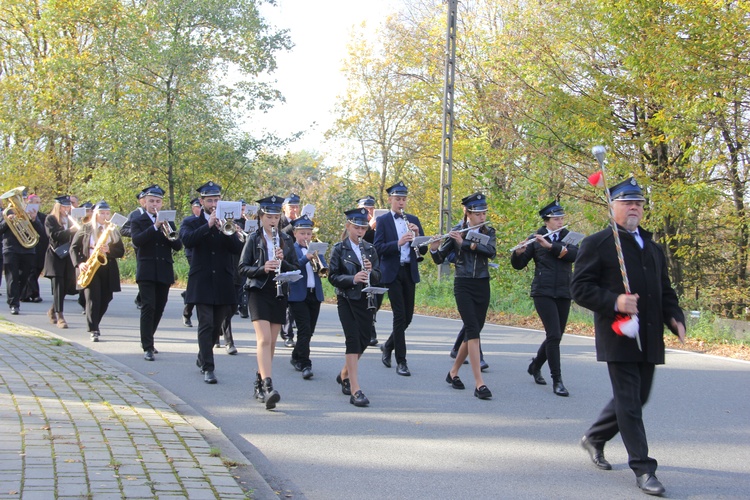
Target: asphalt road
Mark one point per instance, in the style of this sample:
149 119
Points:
422 439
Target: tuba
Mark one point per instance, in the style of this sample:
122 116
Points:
96 259
20 224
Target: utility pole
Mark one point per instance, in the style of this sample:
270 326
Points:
446 150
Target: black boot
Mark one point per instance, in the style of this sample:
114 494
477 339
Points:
272 395
534 371
558 387
258 389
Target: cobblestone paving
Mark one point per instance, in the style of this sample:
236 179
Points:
72 427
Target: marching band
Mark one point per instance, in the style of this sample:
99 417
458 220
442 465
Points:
272 265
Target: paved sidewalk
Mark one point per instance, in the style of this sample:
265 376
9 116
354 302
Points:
75 426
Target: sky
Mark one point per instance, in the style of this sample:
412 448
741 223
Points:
309 76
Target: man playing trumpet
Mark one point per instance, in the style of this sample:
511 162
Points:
155 272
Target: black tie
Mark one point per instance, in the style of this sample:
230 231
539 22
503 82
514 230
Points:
398 216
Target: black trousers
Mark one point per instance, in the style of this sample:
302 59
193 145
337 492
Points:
98 295
631 386
401 294
17 267
153 298
554 316
30 289
305 315
460 340
210 317
226 325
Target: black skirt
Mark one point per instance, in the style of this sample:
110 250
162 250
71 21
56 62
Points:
263 304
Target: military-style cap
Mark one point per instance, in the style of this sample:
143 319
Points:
101 205
270 204
357 216
552 210
139 195
292 199
303 222
153 190
368 202
627 190
209 189
63 200
88 205
195 202
476 202
242 200
398 189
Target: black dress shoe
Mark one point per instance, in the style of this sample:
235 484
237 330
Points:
403 370
535 372
209 377
483 365
296 364
455 382
156 351
346 387
454 353
186 321
272 395
373 341
483 392
289 342
649 484
359 399
14 310
596 454
559 389
386 357
149 355
37 300
307 373
199 365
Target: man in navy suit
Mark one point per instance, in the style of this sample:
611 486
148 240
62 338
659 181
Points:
155 272
398 265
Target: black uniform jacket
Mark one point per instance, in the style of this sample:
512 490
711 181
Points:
469 263
254 257
80 251
344 264
552 273
154 251
11 243
211 266
597 282
58 235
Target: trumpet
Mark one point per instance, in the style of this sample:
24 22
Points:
532 239
20 224
317 264
279 285
228 227
169 233
446 235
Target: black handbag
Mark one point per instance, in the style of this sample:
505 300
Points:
62 251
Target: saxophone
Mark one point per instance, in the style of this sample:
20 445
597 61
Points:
97 258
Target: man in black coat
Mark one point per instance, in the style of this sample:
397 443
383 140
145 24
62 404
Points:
155 271
187 311
30 291
597 284
211 279
18 261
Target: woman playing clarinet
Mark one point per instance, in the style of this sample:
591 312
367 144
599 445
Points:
353 266
471 285
267 253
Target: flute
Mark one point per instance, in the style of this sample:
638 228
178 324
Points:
532 239
446 235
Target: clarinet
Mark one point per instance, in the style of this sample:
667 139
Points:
372 302
279 286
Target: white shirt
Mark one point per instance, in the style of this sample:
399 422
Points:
402 226
309 269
